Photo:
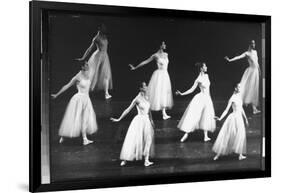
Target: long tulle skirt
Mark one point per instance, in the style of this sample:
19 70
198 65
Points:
250 86
160 90
139 140
199 114
100 70
232 136
79 116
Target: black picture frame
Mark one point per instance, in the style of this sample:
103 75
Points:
37 10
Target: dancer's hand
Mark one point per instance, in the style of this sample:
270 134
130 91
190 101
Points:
178 93
54 96
79 59
227 58
132 67
114 120
217 118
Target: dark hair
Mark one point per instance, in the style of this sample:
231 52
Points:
199 65
102 28
141 85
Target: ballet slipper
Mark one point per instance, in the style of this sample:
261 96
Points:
216 157
241 157
123 163
107 96
87 142
207 139
148 163
165 117
61 140
184 137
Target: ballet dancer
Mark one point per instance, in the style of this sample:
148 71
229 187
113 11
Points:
79 117
232 136
139 139
200 112
250 79
159 87
99 64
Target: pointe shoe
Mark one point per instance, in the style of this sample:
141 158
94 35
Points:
241 157
123 163
165 117
207 139
216 157
184 138
61 140
256 111
107 96
87 142
148 163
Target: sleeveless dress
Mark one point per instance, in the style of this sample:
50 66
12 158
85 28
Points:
232 136
159 87
200 112
79 115
250 80
99 65
139 140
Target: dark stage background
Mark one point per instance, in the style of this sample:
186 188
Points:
133 39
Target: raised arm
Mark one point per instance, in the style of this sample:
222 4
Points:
236 57
226 110
89 49
142 63
126 111
65 87
194 86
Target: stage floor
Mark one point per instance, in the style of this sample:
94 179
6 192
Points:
72 161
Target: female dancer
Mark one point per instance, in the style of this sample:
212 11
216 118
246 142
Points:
79 116
139 139
159 87
99 65
232 136
250 79
200 112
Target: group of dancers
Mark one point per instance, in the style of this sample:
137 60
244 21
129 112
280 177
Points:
80 118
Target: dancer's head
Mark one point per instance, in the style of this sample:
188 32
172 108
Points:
102 29
163 46
236 87
84 66
202 67
143 87
252 45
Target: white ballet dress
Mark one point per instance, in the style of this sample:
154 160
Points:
200 112
159 87
232 136
139 140
79 115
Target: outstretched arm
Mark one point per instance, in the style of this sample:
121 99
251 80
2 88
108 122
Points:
65 87
89 49
191 90
142 63
226 110
133 103
236 57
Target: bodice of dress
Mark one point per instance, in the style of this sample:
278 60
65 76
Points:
101 43
162 62
143 106
204 83
237 103
252 58
83 85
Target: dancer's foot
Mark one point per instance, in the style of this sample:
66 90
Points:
61 140
216 157
87 142
123 163
148 163
256 111
207 139
241 157
107 96
165 117
184 137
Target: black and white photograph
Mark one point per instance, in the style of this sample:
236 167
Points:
133 95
